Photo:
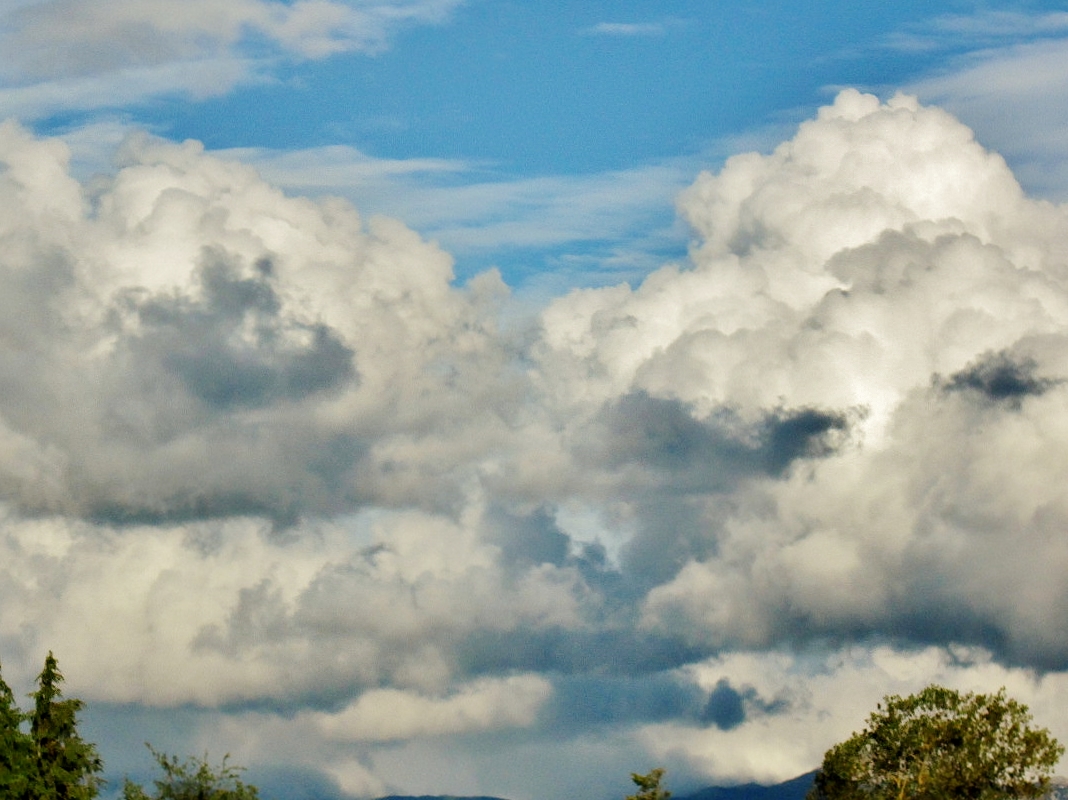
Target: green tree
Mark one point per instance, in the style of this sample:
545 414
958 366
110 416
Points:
16 748
67 767
940 744
649 786
192 779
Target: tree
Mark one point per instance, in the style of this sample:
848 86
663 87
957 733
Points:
67 767
16 748
940 744
50 761
192 779
649 786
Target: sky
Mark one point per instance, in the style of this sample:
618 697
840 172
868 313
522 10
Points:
490 398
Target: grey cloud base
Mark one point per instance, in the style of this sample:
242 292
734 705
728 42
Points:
264 460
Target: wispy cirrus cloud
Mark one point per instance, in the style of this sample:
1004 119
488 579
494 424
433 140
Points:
81 55
628 29
982 29
477 213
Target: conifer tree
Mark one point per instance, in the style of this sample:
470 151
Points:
16 748
67 767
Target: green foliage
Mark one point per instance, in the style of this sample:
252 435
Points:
16 750
649 786
50 761
42 757
67 766
941 745
192 779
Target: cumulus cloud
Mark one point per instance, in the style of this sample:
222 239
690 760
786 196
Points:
879 249
392 714
1009 73
219 331
267 459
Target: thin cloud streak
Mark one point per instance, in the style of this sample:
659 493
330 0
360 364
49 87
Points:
87 56
628 29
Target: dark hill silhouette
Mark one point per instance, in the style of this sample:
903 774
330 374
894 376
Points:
794 789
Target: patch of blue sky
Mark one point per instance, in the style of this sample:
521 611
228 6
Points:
541 121
567 88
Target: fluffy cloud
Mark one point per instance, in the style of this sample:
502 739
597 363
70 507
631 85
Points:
1012 80
391 714
881 276
265 459
188 315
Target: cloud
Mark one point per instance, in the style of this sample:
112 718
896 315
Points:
150 32
822 700
628 29
1001 379
266 461
472 209
1011 81
546 234
200 293
89 55
391 714
983 28
844 272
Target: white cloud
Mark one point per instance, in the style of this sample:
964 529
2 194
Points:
384 715
197 79
996 89
454 203
825 701
85 55
259 451
986 27
75 37
879 249
627 29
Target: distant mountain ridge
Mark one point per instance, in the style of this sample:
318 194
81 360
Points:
438 797
794 789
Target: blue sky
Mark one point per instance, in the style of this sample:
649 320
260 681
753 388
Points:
478 397
543 113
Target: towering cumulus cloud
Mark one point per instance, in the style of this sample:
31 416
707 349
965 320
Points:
264 458
879 301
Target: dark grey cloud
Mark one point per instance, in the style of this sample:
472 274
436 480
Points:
597 699
677 471
728 708
1001 378
622 651
527 540
663 436
228 345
